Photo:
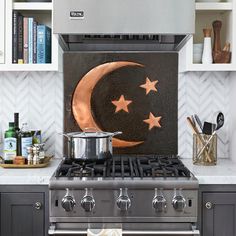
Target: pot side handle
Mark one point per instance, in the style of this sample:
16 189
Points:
65 135
117 133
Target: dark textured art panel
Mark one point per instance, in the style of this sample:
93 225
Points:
161 69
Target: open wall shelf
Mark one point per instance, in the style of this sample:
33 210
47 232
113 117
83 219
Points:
42 13
206 13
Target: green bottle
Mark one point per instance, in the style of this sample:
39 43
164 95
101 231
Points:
10 144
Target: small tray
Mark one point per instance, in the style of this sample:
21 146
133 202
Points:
45 163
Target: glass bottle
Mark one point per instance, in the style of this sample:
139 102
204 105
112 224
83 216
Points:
26 139
17 130
16 122
10 144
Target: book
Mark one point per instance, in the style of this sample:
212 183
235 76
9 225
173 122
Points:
25 39
30 40
43 44
20 46
35 42
15 36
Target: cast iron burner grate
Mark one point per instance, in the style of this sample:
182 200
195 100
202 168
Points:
124 167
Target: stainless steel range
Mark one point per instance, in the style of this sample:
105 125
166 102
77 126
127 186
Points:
141 194
123 75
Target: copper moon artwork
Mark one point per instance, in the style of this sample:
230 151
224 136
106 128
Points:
81 103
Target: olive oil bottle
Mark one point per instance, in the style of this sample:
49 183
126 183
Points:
10 144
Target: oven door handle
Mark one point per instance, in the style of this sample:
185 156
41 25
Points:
54 231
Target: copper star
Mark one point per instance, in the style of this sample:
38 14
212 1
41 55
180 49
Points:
149 85
121 104
153 121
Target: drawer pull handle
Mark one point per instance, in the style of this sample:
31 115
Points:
38 205
208 205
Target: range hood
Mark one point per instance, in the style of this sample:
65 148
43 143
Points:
160 25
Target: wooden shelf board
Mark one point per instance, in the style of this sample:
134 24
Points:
32 6
213 6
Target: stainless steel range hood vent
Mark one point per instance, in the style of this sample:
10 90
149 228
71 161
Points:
117 25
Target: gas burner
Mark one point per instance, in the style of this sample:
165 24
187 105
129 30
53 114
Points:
124 167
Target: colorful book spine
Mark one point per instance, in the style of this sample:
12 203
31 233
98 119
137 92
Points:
48 45
34 42
26 39
14 37
30 33
20 39
43 44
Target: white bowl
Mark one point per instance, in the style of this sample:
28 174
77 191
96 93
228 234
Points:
197 58
198 48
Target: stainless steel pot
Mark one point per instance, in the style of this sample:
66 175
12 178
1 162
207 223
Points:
90 145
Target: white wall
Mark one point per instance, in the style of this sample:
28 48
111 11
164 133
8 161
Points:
38 97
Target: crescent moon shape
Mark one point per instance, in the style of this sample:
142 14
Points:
81 103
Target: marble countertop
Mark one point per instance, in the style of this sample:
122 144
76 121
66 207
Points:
222 173
34 176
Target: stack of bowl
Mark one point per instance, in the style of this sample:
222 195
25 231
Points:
197 53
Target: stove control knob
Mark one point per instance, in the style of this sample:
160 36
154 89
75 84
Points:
88 202
179 202
68 202
123 201
159 202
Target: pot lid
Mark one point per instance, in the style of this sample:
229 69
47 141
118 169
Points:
97 134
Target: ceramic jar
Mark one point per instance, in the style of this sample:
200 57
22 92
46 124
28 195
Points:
207 48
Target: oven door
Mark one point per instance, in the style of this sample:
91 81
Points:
168 232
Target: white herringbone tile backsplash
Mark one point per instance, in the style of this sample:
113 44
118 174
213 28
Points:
203 93
38 97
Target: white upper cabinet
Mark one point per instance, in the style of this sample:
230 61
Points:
2 30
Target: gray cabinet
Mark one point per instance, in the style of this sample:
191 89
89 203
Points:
25 212
22 214
218 212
